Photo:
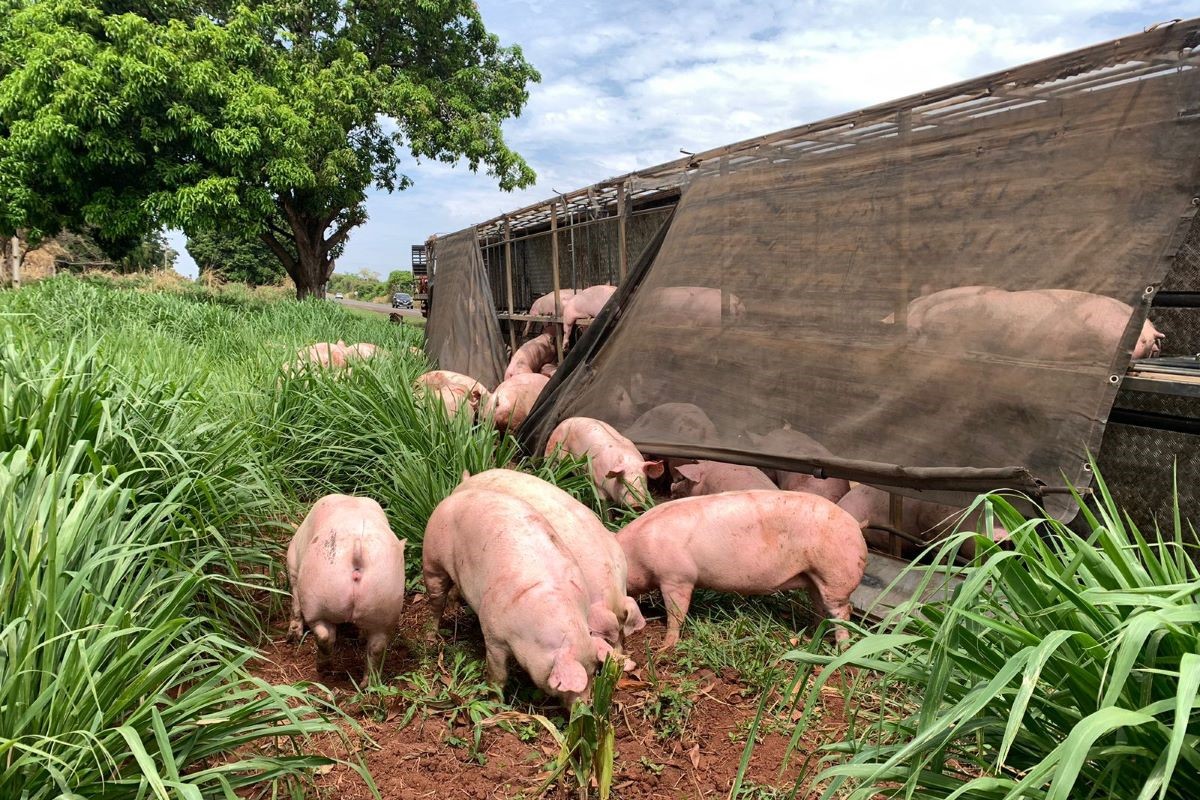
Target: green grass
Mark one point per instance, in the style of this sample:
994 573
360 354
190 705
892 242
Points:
1065 667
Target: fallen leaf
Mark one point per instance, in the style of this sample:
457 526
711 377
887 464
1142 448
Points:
694 756
325 769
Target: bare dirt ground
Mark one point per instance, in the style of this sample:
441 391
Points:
680 732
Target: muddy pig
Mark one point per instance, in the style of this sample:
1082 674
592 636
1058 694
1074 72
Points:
618 469
752 542
511 567
510 403
346 566
612 615
532 356
714 477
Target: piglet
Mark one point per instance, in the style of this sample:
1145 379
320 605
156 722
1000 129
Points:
321 354
455 390
510 403
618 469
511 567
751 542
532 356
714 477
346 566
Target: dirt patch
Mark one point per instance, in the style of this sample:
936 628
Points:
679 733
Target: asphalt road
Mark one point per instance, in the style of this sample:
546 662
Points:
381 308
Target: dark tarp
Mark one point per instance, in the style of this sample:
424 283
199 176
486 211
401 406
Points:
816 257
462 333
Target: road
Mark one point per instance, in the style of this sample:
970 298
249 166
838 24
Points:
381 308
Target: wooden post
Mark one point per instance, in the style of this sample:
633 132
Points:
558 310
904 133
895 519
622 233
512 327
14 262
726 295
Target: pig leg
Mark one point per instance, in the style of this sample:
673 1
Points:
377 642
296 625
437 588
677 597
326 636
835 606
497 665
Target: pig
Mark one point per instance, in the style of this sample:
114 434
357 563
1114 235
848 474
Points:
456 391
508 563
544 307
548 370
510 403
681 421
363 350
346 566
617 468
788 442
919 518
692 306
612 614
714 477
322 354
748 542
532 356
585 304
1039 323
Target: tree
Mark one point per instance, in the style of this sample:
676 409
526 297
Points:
273 118
243 258
401 280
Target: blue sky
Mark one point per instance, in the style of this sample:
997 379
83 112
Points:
627 84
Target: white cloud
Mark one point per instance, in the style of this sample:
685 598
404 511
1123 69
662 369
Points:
626 84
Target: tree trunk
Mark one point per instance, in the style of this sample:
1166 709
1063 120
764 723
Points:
309 275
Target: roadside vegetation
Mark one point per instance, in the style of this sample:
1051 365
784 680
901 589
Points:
154 459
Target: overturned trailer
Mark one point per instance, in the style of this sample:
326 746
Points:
1072 179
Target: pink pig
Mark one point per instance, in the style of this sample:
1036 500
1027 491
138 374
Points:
714 477
612 615
922 519
751 542
456 391
532 356
585 304
321 354
513 569
785 441
692 305
345 565
618 469
510 403
544 307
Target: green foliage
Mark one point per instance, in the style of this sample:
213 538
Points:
1067 666
401 280
270 118
235 256
668 704
363 285
127 567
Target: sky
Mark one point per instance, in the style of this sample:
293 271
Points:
628 84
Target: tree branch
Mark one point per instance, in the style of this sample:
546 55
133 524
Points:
285 258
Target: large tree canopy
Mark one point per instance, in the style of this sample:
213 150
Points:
269 117
240 257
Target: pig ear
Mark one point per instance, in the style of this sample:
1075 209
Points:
403 542
567 675
689 471
653 469
601 620
466 474
603 649
634 621
615 473
341 343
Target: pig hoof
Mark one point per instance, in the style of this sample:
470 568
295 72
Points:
295 632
